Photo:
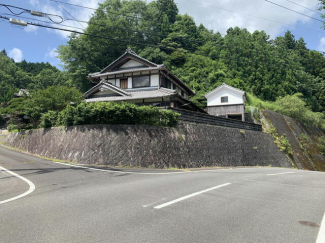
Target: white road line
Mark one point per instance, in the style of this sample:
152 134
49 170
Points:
188 196
30 190
281 173
123 172
321 233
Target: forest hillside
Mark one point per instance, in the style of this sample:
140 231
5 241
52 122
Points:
279 74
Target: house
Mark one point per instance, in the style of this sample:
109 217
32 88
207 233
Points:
226 101
131 78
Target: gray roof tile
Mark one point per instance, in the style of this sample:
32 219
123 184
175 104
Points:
159 93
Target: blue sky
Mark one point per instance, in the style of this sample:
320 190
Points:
36 44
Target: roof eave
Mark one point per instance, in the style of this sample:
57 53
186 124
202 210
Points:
192 93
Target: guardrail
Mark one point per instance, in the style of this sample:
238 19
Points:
201 118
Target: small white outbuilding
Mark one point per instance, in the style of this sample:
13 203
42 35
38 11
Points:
226 101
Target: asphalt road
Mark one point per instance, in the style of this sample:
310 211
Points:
74 204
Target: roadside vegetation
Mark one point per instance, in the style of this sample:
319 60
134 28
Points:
290 105
63 106
279 74
109 113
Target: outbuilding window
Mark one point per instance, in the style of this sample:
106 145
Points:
142 81
224 99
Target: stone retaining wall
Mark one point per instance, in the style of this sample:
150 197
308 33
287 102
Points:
186 146
305 156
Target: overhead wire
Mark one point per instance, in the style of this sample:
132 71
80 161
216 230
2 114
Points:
295 11
253 16
104 10
159 46
110 38
62 19
304 7
68 13
16 14
48 22
40 14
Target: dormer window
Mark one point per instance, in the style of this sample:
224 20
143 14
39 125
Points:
142 81
224 99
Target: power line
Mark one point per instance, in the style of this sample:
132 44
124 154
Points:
295 11
35 13
249 15
305 7
80 21
68 13
121 40
105 37
104 10
304 2
40 14
8 7
48 22
145 32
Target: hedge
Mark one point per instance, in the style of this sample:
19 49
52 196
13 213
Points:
110 113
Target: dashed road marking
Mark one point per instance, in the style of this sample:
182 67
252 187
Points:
281 173
188 196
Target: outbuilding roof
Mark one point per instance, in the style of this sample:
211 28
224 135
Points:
224 86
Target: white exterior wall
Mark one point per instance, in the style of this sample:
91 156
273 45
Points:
154 79
112 81
131 63
117 82
233 97
129 82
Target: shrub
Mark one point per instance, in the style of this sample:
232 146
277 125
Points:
321 145
12 127
292 106
284 144
114 113
48 119
2 121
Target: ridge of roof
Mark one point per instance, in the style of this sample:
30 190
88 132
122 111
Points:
222 86
130 52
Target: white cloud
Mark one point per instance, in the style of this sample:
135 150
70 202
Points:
322 44
16 54
31 28
34 2
223 14
78 13
52 53
217 15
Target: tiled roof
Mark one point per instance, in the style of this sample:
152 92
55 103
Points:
158 93
106 85
226 86
97 75
132 53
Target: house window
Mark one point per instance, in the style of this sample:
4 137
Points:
142 81
224 99
166 83
182 92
